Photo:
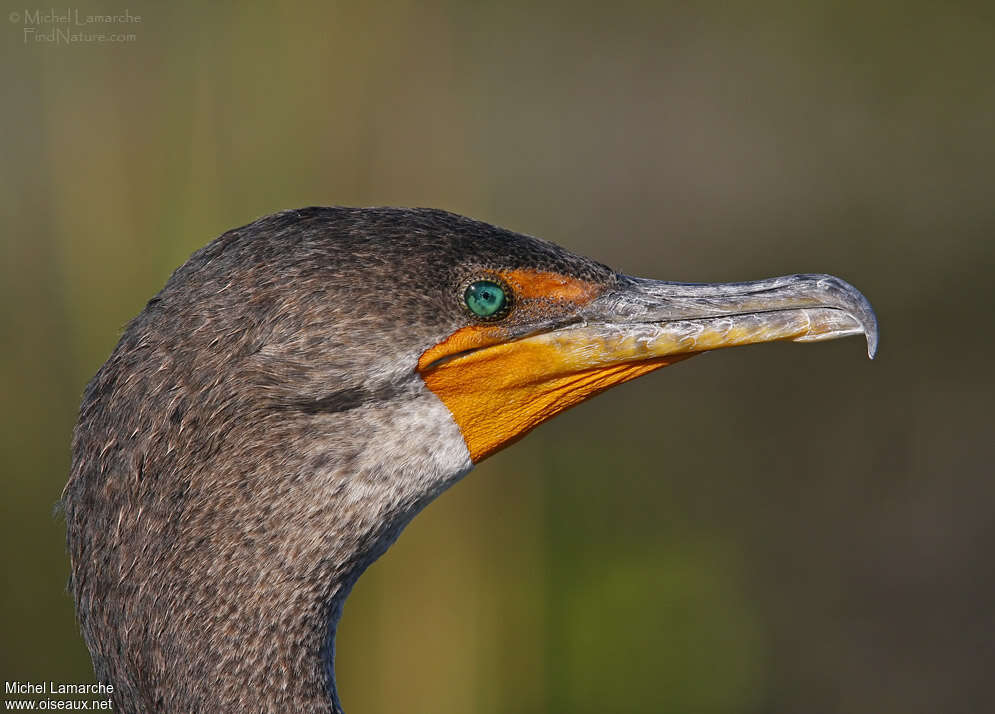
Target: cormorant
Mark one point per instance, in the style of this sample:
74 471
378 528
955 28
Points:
303 386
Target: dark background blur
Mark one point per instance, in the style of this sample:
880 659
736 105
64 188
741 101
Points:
778 529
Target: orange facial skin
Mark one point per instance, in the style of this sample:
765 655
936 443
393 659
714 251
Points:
527 285
535 284
498 394
499 390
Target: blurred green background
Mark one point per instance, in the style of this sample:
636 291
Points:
778 529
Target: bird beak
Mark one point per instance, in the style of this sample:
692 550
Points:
500 392
649 319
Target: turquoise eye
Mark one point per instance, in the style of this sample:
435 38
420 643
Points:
485 298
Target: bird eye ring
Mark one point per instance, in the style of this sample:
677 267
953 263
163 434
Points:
488 299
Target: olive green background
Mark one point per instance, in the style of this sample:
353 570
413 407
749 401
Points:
776 529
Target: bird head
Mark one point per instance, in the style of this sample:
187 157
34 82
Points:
341 308
304 385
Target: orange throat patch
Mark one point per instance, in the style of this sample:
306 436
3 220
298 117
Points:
498 394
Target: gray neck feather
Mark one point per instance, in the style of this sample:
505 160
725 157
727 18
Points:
223 591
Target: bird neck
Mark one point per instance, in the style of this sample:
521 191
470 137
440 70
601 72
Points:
232 601
278 655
